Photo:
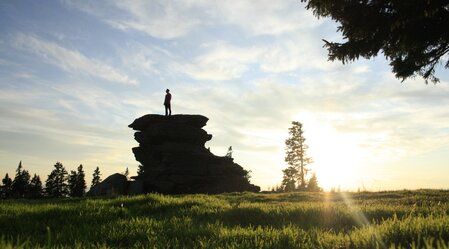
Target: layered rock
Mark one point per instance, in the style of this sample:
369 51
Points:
174 158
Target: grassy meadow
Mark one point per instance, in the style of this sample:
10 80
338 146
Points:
399 219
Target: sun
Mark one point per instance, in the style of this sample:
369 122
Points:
338 157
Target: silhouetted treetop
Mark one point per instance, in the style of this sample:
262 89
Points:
413 35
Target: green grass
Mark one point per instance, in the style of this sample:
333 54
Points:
400 219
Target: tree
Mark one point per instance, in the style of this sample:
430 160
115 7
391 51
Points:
126 173
229 153
77 182
413 35
296 154
56 184
313 184
6 187
21 182
289 179
35 189
96 177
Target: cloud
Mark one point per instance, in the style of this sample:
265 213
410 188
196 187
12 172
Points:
160 18
70 61
169 19
263 17
221 62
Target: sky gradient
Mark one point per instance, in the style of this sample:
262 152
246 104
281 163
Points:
74 74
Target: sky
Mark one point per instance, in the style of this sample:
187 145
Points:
75 74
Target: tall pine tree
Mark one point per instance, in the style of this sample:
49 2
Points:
296 154
56 184
20 184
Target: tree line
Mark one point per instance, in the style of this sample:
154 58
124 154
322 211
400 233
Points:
59 183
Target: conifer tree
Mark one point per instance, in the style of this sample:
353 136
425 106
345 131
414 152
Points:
35 190
77 182
289 179
313 184
56 184
413 35
96 177
6 187
20 184
296 154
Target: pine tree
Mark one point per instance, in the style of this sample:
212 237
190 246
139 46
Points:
296 153
413 35
81 186
77 183
96 177
20 184
56 184
6 187
313 184
289 179
36 190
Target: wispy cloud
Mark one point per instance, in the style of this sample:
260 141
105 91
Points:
161 19
174 18
70 61
222 62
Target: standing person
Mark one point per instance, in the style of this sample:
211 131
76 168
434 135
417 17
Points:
167 103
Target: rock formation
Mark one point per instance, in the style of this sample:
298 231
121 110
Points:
115 184
174 159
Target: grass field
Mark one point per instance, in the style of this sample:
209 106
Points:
400 219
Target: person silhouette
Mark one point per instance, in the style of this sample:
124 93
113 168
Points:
167 103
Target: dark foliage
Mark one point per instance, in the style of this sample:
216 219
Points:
6 186
96 177
77 182
35 188
413 35
56 184
21 182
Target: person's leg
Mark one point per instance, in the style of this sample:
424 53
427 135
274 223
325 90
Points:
169 110
166 110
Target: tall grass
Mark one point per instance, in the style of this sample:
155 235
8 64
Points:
401 219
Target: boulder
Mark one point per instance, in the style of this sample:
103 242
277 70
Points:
116 184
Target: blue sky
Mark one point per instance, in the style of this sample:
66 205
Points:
74 74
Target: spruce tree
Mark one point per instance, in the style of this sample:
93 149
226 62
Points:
96 177
413 35
20 184
289 179
35 190
313 184
6 187
56 184
296 154
77 183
